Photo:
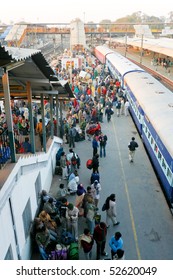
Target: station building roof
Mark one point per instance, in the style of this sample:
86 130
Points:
162 45
29 65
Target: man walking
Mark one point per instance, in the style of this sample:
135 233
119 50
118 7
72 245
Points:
132 147
102 140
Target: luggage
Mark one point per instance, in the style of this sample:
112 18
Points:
74 160
93 128
89 163
60 253
67 238
58 170
73 251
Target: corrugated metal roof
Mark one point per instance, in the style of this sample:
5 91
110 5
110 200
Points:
30 65
9 54
21 53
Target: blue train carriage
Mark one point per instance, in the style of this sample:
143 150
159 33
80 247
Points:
135 83
154 102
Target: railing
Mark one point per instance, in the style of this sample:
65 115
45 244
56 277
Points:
5 152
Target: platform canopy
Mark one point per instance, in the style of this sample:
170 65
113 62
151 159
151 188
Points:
162 46
29 65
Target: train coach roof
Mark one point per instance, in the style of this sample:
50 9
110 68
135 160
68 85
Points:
104 50
157 102
123 64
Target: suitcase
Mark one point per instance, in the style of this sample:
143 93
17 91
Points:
58 170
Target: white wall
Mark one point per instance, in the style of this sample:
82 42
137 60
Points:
18 188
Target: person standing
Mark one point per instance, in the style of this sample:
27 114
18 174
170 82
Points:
108 113
86 242
95 145
96 188
72 219
118 107
103 141
79 198
88 195
91 211
95 163
132 147
115 243
111 212
39 131
63 165
126 108
100 233
72 135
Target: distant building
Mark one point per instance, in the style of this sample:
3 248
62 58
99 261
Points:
143 30
77 35
167 31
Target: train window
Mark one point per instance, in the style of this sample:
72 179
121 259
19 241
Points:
163 164
152 140
155 148
149 135
159 155
169 173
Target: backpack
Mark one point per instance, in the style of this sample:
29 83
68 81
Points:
73 252
73 160
105 205
60 253
66 238
89 164
104 208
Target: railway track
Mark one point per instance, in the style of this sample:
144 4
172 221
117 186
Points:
165 81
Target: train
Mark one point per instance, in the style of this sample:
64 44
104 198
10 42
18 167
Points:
151 107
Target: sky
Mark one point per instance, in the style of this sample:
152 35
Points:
64 11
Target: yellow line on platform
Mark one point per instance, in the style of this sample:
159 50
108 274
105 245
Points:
127 194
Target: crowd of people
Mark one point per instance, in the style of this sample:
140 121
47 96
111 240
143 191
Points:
83 121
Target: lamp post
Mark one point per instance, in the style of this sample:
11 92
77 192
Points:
141 53
125 44
109 37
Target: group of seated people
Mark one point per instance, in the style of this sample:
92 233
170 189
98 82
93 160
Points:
47 225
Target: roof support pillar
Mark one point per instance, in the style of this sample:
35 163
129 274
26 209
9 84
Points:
51 116
61 121
57 116
43 124
6 89
32 134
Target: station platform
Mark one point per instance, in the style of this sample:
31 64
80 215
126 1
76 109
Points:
146 222
146 61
